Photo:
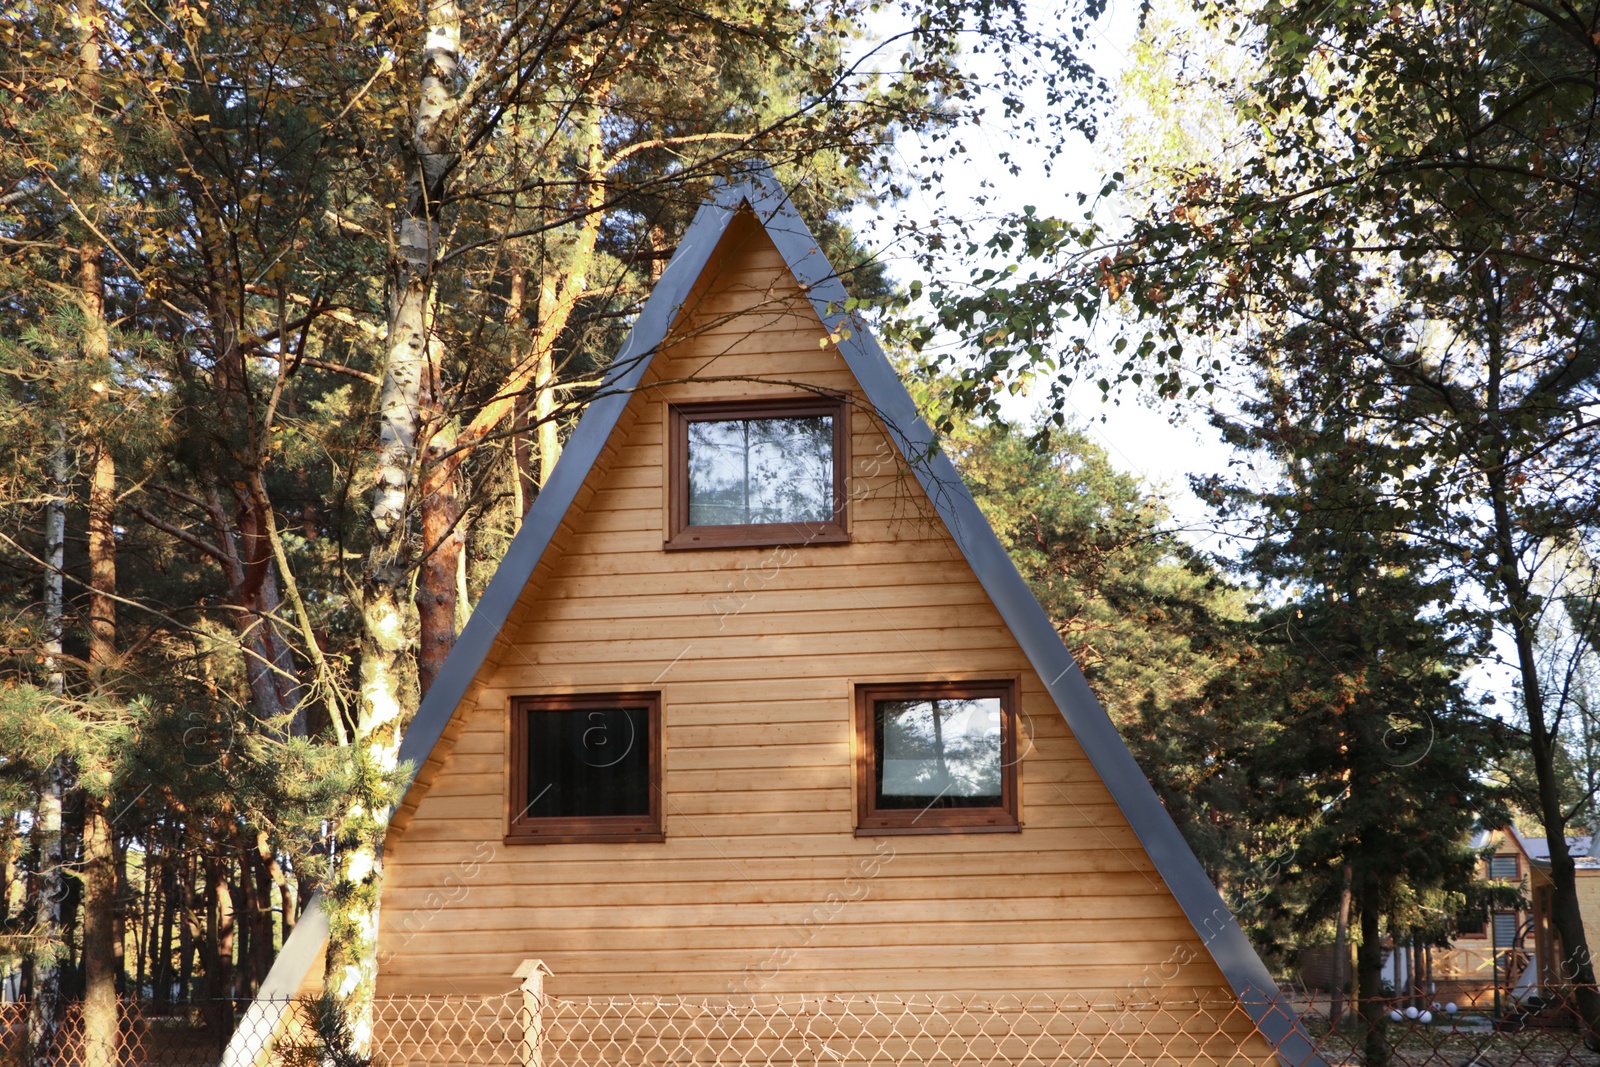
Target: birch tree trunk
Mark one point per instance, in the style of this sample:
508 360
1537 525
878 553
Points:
44 1012
389 627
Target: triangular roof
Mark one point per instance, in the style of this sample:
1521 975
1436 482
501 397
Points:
760 192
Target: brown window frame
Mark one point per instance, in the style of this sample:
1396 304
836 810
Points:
680 535
527 830
872 821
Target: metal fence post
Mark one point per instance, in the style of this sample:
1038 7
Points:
532 973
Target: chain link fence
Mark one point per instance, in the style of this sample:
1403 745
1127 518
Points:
520 1029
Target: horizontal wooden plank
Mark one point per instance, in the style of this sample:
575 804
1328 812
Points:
1059 919
777 605
480 773
722 620
684 733
1111 984
787 658
820 855
749 573
615 554
1125 958
1039 942
559 643
719 702
900 879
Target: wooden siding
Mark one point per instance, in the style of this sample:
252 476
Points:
761 885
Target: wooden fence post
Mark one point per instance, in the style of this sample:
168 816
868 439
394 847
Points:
532 973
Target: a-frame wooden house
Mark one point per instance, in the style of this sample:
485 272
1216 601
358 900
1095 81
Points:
757 703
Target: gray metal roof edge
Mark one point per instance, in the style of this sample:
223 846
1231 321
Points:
1151 822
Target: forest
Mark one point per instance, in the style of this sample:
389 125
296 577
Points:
300 300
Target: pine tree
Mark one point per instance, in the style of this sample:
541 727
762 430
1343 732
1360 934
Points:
1366 755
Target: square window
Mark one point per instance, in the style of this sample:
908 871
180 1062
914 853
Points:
1505 867
769 472
936 758
586 768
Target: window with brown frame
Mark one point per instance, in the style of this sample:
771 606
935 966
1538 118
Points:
585 768
759 472
936 757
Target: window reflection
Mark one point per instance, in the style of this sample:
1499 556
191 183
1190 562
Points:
939 753
752 471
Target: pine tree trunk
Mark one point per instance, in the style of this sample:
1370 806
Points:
217 952
544 407
272 871
436 585
1341 952
161 970
71 904
262 947
122 896
99 962
99 849
187 929
247 562
441 534
99 872
1369 980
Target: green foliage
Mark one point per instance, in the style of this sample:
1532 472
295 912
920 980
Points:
1132 601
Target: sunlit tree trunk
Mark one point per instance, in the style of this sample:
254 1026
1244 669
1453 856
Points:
99 849
443 536
99 956
388 617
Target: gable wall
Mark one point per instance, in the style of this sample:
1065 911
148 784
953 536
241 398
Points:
761 885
